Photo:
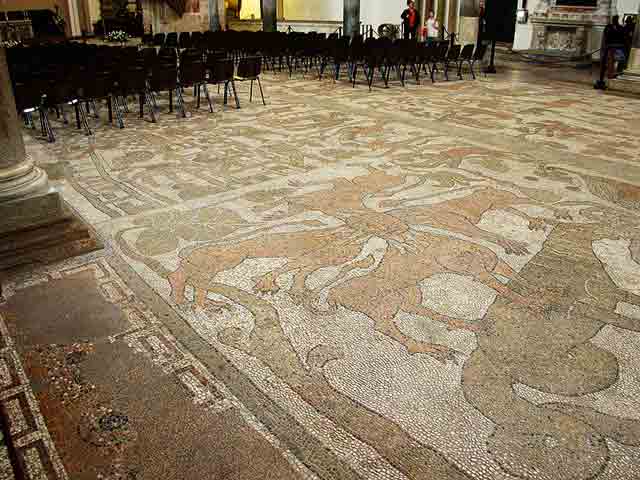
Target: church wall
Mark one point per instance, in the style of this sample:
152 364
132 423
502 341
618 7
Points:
164 19
588 28
250 9
628 6
377 12
315 10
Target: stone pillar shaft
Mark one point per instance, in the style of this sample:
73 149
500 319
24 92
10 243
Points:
18 176
269 15
11 144
634 55
351 17
280 10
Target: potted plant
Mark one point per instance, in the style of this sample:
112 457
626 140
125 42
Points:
119 36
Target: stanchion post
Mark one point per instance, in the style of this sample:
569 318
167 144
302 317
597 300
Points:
491 68
604 58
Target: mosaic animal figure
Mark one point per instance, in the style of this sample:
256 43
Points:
462 215
394 285
410 257
550 350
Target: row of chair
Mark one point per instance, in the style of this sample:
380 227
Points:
81 76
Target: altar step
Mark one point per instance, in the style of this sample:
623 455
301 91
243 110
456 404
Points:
628 82
539 57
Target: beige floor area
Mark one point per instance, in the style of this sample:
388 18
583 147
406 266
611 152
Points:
431 282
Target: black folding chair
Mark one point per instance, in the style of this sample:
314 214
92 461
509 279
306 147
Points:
465 57
249 69
478 56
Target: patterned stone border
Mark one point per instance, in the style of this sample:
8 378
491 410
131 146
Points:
149 337
30 442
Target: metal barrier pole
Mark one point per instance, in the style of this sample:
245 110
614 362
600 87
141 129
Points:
604 60
491 68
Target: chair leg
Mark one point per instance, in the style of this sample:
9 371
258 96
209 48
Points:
46 125
119 116
170 101
147 99
251 92
235 94
180 101
110 108
207 96
141 100
42 130
65 120
77 109
261 91
95 108
83 118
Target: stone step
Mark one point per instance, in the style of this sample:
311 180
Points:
41 245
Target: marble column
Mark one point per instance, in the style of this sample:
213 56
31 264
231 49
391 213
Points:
280 10
422 6
634 56
35 226
269 15
19 177
351 17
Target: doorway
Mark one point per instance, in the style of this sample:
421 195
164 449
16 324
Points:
501 19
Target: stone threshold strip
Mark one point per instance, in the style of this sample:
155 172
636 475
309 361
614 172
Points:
146 336
30 453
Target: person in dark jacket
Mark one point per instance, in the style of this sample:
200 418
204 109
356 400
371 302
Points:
411 19
614 41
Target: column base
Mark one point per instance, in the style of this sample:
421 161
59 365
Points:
40 229
21 181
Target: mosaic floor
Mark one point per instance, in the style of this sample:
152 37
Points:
437 282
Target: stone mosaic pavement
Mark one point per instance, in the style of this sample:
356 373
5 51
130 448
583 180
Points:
437 282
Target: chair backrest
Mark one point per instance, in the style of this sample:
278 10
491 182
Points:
222 70
185 40
250 67
132 79
467 52
480 52
454 53
171 39
163 76
158 39
441 51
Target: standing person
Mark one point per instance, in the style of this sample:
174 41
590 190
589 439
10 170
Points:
411 19
432 27
614 46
